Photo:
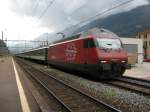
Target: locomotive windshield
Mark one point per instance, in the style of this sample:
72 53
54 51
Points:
109 43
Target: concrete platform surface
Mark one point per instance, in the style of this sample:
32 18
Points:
139 71
9 95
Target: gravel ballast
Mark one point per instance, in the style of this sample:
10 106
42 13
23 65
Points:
122 99
127 101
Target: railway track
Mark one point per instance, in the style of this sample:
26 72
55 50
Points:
132 84
72 99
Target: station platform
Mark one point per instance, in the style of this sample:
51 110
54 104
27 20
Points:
10 97
141 71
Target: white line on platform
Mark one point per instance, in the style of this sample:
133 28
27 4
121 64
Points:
23 100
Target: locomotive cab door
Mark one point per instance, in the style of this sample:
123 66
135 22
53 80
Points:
85 53
88 44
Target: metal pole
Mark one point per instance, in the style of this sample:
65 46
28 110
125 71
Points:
2 35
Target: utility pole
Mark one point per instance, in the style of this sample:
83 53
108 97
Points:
47 40
2 35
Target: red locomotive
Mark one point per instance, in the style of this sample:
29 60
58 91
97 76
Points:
97 52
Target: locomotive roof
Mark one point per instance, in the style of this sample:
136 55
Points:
100 33
68 38
97 32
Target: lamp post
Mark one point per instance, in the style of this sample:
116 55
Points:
47 39
2 35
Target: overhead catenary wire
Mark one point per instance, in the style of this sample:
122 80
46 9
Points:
101 13
107 10
45 10
35 6
90 18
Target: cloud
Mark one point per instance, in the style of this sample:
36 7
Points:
25 28
64 13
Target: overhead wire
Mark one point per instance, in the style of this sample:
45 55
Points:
101 13
45 10
35 6
90 18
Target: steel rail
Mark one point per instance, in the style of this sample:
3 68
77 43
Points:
138 81
138 86
77 90
97 100
41 83
134 81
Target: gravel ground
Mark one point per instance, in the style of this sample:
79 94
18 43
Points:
124 100
119 98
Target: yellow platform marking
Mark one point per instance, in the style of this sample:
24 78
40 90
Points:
23 100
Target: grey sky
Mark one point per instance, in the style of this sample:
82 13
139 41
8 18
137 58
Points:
64 13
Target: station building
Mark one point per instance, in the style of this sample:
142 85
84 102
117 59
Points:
134 47
145 35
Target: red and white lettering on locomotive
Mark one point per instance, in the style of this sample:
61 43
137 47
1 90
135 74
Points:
71 51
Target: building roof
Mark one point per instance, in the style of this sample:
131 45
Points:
144 32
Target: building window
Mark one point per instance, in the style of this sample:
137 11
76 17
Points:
141 36
145 36
145 44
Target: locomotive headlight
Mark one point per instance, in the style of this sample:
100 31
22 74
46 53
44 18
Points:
123 61
103 61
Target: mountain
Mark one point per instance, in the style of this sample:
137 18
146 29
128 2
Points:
124 24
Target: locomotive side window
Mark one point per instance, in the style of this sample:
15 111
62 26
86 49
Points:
89 43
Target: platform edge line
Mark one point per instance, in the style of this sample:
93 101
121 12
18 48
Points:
23 99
